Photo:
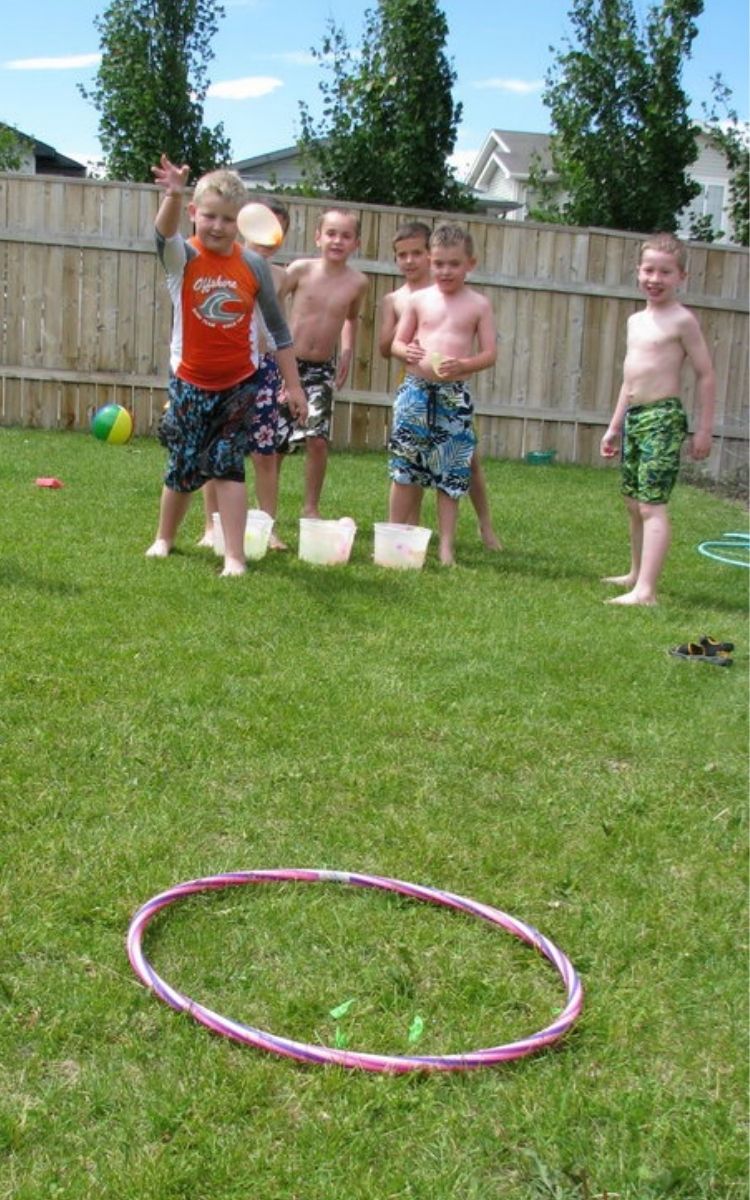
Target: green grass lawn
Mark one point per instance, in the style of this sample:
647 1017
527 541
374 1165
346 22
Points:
494 730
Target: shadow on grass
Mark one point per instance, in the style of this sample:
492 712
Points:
13 574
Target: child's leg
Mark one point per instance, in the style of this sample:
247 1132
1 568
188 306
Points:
405 503
447 515
655 534
636 545
172 509
316 461
266 467
210 506
481 502
266 482
275 542
232 500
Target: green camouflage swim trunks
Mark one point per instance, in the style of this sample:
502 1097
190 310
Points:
651 442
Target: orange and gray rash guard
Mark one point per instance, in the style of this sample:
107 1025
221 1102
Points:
214 296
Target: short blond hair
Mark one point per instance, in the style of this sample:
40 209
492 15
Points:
342 212
449 234
224 183
666 243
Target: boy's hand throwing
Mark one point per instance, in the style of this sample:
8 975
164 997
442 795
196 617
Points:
170 177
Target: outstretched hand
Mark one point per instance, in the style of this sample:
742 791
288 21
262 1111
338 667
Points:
171 177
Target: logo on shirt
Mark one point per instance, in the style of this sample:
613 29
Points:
221 307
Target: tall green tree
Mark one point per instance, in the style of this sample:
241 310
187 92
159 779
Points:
622 139
389 122
151 85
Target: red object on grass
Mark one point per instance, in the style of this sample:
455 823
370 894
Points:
48 481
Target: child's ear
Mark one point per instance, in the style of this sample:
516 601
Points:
192 211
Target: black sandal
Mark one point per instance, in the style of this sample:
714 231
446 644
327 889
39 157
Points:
711 644
700 653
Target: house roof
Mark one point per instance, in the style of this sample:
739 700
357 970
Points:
263 160
509 151
47 160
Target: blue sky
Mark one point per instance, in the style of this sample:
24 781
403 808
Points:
262 66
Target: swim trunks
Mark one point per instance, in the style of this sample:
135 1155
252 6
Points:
651 440
432 440
265 417
206 433
317 380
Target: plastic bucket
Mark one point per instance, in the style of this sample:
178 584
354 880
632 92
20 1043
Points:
401 546
326 543
257 532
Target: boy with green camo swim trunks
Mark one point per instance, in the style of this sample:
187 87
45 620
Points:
446 333
649 417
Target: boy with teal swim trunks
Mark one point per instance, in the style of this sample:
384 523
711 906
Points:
649 417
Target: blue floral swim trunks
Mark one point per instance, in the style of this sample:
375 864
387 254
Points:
206 433
651 441
265 418
432 440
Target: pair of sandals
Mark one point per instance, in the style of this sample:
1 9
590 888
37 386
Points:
706 650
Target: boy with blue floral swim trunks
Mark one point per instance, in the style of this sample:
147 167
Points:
445 334
649 417
214 285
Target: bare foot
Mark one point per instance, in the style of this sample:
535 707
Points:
490 540
275 543
633 598
619 580
233 566
312 514
160 549
447 557
207 540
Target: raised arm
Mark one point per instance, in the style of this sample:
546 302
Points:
173 180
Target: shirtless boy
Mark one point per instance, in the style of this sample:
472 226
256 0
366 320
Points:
411 247
326 296
445 334
649 417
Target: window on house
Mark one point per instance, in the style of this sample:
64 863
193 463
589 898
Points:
708 203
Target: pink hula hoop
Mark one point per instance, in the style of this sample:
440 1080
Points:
288 1048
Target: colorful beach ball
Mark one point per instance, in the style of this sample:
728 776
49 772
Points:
113 424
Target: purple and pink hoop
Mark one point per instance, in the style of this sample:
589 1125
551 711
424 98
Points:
303 1052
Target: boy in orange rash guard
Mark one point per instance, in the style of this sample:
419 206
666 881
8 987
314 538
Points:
213 284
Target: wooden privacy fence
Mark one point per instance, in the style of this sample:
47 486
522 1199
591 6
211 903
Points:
85 318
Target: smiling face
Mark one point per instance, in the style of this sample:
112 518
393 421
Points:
337 236
215 219
450 265
413 259
659 276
